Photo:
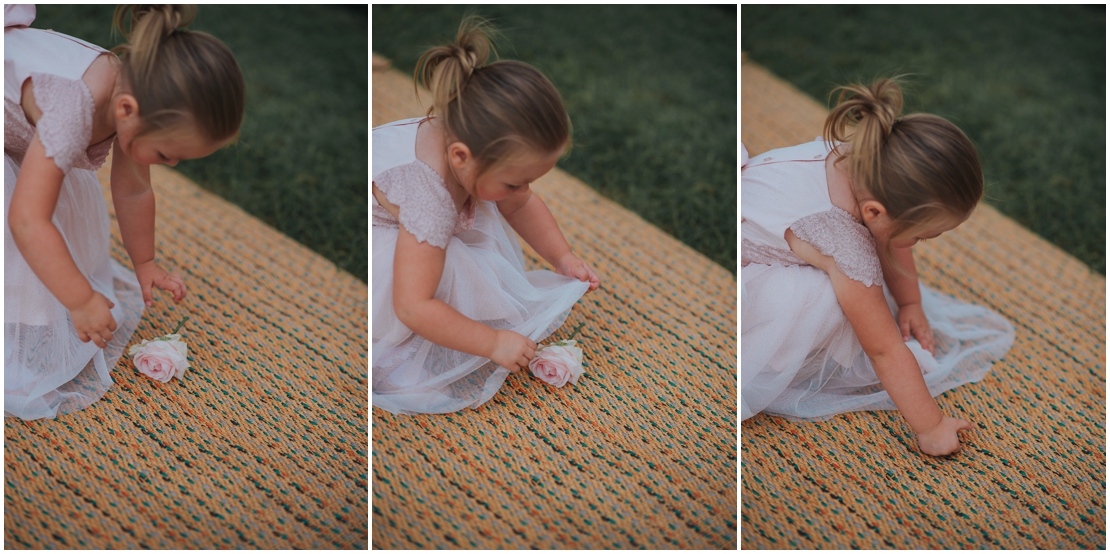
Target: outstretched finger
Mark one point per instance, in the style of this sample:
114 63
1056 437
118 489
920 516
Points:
148 297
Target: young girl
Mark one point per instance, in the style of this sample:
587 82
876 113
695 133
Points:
824 227
454 310
69 309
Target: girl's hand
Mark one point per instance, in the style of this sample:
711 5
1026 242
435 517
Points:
512 350
151 275
571 266
912 322
94 321
943 439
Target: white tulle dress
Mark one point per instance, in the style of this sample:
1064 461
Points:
47 370
800 358
483 278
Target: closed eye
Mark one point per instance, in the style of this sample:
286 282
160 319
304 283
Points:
163 156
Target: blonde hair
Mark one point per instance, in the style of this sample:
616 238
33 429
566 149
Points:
499 111
179 76
920 167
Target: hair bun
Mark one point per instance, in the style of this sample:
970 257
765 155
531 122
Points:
468 56
445 70
160 20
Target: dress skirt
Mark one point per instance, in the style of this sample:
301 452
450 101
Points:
47 370
484 279
800 358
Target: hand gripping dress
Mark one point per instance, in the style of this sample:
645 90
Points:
47 369
483 278
800 358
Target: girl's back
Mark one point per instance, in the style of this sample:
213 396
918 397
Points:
825 234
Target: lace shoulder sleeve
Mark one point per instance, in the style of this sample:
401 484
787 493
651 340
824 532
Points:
836 233
424 206
65 127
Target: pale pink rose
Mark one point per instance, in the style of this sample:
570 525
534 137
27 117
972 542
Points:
161 359
558 363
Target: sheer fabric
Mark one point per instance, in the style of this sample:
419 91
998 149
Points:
800 358
483 278
47 370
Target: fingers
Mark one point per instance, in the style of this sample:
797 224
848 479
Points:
175 285
148 298
965 425
111 324
904 327
99 339
179 289
925 336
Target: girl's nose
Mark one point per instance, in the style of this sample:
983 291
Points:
171 163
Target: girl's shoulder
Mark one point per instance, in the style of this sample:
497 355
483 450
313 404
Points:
61 104
394 144
28 51
808 151
410 186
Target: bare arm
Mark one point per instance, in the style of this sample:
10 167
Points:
870 317
417 270
134 202
528 215
39 241
30 218
903 284
901 279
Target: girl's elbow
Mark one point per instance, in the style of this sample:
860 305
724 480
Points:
891 356
20 226
409 311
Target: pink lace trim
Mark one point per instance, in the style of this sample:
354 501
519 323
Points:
425 207
65 127
836 233
752 253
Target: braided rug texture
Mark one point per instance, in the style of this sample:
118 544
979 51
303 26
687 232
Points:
1031 474
640 454
263 443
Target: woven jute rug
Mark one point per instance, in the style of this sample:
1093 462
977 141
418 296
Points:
640 454
263 443
1031 473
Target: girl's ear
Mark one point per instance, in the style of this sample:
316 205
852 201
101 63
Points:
126 106
872 210
459 156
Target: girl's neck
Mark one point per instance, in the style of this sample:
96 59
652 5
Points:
103 78
431 148
841 192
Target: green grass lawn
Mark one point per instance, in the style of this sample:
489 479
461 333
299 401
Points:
300 163
1027 84
651 92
